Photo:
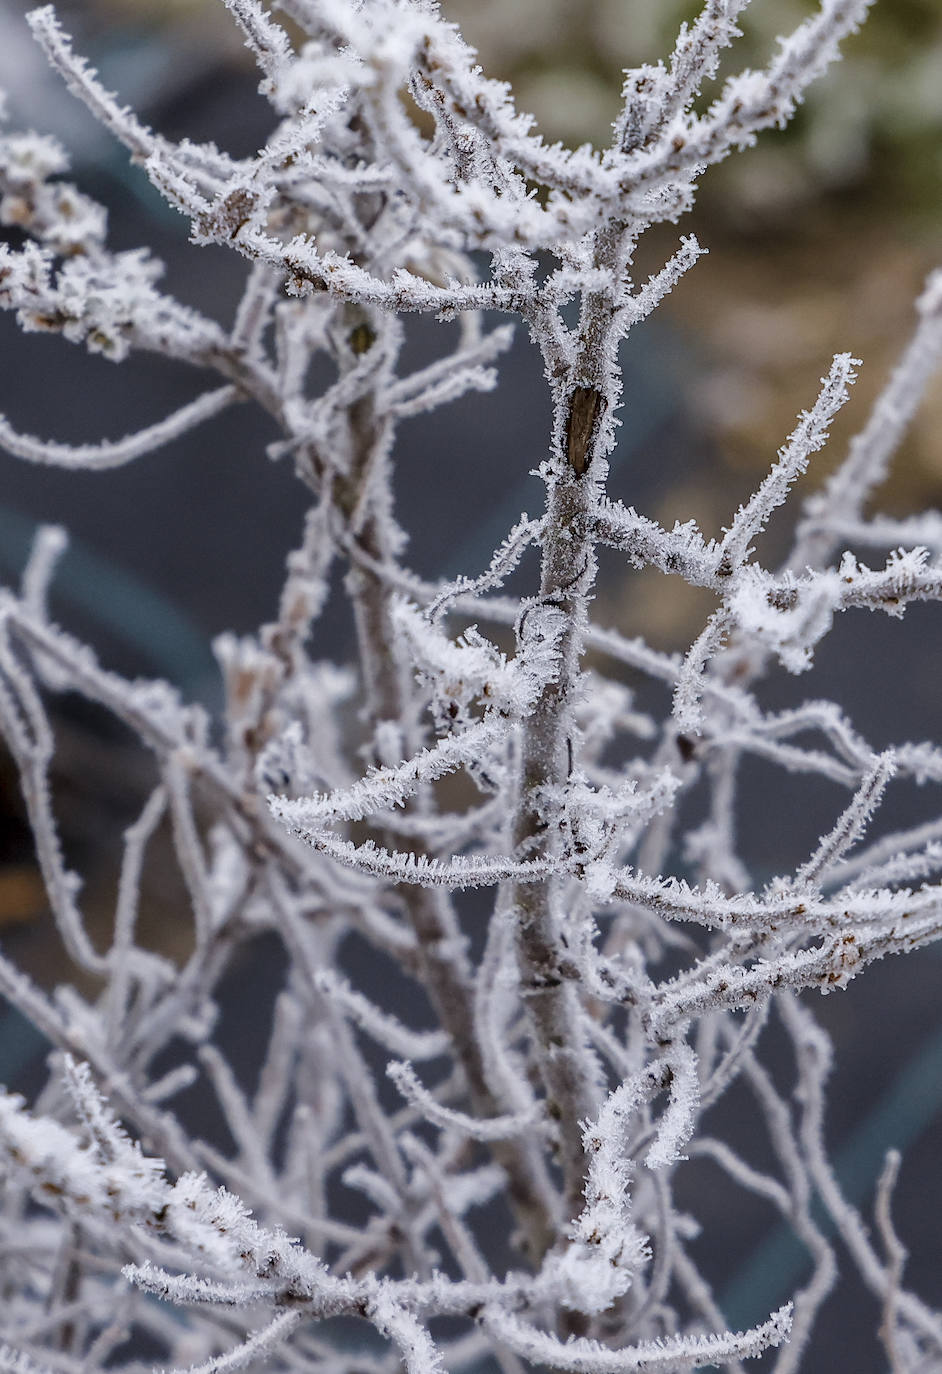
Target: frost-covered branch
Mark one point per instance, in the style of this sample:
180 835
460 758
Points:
513 922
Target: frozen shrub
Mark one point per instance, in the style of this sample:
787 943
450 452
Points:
517 1169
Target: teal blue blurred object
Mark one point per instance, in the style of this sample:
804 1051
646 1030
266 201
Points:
114 599
20 1044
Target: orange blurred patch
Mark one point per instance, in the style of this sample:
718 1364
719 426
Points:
22 894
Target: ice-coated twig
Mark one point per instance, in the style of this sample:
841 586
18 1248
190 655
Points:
476 870
846 492
681 550
693 61
749 102
506 838
896 1256
853 821
98 457
385 1029
742 1173
637 307
83 83
264 1342
810 435
48 547
419 1353
503 562
582 1356
814 1058
447 378
268 41
388 787
28 734
18 1362
497 1128
120 121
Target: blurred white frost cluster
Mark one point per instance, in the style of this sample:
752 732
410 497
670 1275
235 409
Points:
517 1171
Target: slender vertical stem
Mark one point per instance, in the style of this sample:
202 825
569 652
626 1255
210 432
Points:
444 969
545 761
581 442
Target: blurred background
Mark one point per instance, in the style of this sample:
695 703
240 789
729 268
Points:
819 238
